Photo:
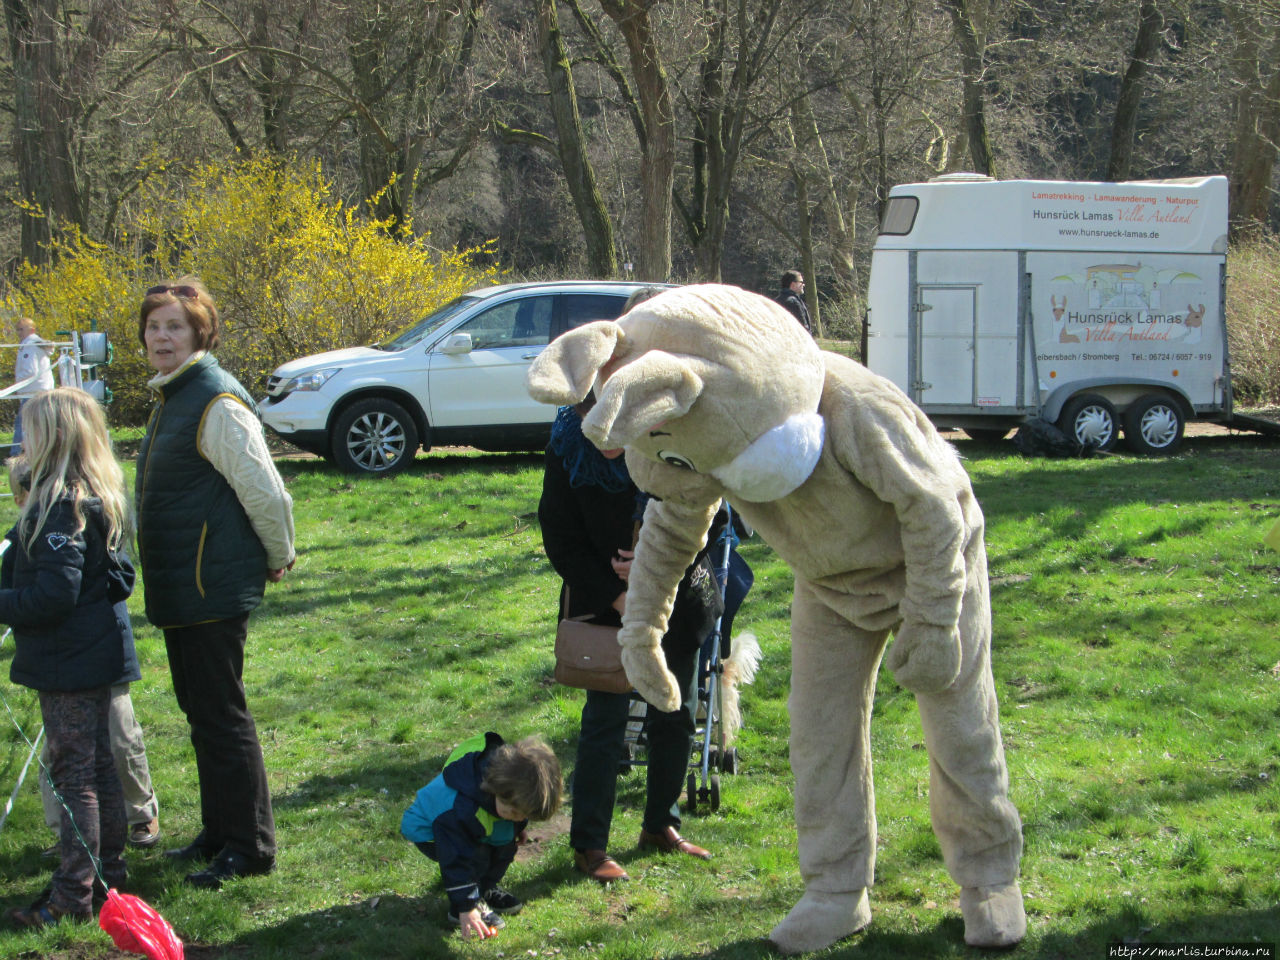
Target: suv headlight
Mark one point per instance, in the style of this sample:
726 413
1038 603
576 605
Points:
309 381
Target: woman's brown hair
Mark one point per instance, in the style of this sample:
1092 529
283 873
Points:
201 313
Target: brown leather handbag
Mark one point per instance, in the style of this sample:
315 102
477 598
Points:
588 655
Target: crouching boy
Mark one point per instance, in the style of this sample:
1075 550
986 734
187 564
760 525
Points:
471 818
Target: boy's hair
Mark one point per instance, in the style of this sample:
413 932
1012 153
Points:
640 296
68 452
527 776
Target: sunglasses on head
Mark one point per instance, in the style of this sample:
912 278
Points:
178 290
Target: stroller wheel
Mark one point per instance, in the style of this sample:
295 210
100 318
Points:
715 793
729 762
693 793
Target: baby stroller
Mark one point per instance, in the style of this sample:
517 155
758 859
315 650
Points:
723 667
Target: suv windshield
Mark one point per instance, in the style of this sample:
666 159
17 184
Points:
413 334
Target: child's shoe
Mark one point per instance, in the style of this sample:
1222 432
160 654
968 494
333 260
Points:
491 919
500 901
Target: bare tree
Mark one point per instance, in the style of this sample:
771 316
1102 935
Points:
1151 27
57 54
1255 68
571 144
970 19
654 118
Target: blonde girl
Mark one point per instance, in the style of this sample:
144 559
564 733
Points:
68 455
58 583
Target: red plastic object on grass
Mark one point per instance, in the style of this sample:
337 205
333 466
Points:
137 928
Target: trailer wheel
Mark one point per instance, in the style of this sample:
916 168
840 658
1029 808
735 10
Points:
1153 424
1090 420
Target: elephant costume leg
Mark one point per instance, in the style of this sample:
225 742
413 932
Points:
834 668
833 675
977 826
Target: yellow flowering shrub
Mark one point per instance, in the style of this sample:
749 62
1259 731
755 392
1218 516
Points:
88 285
293 270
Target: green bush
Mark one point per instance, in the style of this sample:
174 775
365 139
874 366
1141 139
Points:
1253 326
293 270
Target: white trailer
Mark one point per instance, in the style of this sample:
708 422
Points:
1095 306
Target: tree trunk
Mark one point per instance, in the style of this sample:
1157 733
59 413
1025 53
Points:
597 228
972 68
1150 25
658 149
269 84
840 226
47 177
381 163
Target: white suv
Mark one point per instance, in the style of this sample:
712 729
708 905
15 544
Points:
456 377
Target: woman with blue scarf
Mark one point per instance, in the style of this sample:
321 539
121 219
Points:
589 514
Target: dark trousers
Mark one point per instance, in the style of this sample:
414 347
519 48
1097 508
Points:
600 746
489 863
83 772
206 662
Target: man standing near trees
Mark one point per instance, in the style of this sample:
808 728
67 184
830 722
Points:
33 361
792 297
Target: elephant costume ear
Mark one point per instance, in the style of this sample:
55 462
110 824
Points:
564 372
650 390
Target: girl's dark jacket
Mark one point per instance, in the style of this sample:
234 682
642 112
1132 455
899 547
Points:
60 599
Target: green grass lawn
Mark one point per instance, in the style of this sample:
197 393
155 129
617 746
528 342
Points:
1136 660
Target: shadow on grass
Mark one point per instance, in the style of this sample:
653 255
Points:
389 926
945 938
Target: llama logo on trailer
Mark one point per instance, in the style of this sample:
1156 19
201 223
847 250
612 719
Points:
1118 302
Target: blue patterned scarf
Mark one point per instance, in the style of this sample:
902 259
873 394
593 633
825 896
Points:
586 465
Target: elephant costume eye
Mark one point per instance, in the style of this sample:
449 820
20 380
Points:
675 459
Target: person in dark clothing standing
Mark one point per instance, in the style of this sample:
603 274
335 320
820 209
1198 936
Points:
588 517
792 297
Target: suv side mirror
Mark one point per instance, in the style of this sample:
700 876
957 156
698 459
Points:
456 343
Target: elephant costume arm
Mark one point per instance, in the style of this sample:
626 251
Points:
673 532
892 449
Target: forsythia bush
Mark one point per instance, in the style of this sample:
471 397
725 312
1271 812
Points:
88 284
292 269
1253 327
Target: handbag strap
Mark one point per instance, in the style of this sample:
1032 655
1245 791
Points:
564 609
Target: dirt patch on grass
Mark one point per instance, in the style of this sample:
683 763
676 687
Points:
543 835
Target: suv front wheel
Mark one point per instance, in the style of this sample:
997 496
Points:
376 436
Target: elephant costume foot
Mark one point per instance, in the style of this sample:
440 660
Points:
820 919
993 916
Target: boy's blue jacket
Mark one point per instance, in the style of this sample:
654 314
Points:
454 813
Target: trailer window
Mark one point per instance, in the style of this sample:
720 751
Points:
899 215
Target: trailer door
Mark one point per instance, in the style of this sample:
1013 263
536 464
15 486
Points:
946 334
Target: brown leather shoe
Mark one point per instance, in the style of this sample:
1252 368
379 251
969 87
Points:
599 866
668 841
